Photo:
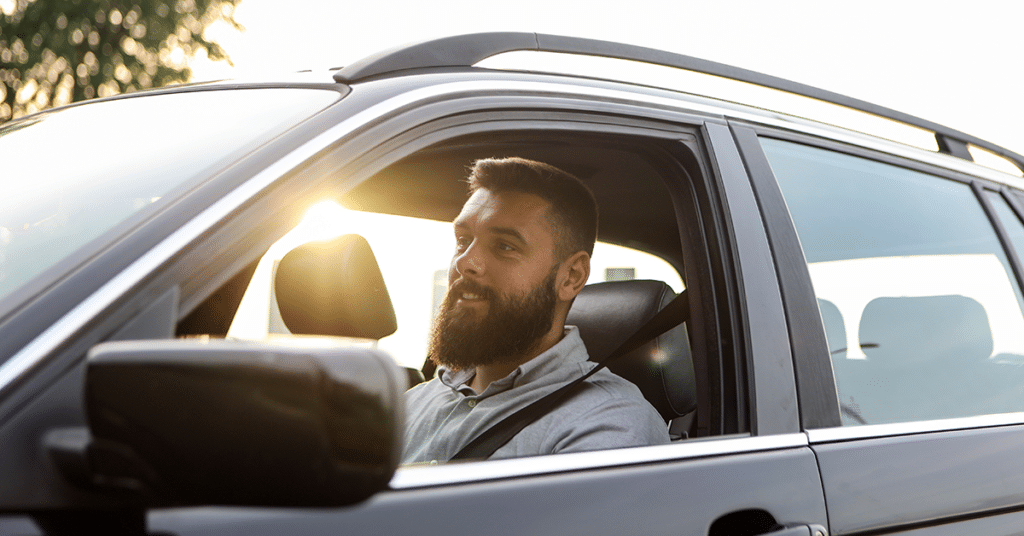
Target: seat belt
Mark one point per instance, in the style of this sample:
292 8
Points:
484 445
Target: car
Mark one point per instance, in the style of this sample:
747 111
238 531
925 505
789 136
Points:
213 296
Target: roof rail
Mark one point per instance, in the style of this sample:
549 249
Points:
467 50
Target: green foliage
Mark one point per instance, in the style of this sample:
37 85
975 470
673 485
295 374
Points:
53 52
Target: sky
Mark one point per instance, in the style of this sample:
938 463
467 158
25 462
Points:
955 63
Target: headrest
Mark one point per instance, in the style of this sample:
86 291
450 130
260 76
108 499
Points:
334 288
930 328
609 313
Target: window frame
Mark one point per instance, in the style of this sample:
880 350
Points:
813 365
729 408
700 159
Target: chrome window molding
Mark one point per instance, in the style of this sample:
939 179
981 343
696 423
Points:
848 433
461 473
944 161
685 102
688 102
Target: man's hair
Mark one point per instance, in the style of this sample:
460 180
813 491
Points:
573 211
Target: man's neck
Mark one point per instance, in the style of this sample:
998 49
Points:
485 374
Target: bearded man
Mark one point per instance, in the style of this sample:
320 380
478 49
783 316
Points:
523 245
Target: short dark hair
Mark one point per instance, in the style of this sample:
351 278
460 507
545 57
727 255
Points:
573 206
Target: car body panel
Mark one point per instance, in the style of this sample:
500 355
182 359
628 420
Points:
930 479
681 497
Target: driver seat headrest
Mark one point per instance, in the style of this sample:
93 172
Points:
609 313
334 288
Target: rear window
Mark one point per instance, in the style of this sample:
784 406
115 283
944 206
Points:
920 305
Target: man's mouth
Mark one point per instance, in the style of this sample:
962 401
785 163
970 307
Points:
467 291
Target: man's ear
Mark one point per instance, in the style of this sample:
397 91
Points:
572 275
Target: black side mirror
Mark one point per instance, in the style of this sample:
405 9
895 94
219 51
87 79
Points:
284 423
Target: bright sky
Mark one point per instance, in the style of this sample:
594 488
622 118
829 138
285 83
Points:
952 62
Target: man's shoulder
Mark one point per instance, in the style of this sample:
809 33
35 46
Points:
428 389
612 386
607 411
606 393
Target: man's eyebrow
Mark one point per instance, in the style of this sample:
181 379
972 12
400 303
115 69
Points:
506 231
509 231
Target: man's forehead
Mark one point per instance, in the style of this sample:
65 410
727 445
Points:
504 208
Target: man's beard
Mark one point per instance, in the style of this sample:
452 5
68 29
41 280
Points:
509 329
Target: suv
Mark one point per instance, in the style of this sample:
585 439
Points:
853 358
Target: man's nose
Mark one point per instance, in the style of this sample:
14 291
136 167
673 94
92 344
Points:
469 262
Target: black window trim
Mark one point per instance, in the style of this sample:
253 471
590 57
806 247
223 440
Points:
774 400
819 402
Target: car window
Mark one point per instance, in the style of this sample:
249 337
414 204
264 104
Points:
921 308
413 254
70 176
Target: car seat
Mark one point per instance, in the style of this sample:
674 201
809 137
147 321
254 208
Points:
334 288
609 313
927 358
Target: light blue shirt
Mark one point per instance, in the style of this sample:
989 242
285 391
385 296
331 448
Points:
606 412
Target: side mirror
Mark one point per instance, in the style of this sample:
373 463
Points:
294 422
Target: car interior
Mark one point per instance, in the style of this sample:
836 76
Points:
335 287
925 357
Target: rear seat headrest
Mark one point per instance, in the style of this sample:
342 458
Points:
334 288
909 330
609 313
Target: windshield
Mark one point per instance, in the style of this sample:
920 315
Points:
73 174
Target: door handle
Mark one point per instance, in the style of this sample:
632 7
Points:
799 530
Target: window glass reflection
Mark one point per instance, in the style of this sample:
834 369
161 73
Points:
73 174
921 309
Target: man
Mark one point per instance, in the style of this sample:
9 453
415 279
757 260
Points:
523 245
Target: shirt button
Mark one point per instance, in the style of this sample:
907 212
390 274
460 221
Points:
472 403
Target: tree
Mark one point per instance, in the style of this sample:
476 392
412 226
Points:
53 52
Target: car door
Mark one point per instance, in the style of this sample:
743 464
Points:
754 473
916 276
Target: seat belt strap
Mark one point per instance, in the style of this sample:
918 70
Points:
489 441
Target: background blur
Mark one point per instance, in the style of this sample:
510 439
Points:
956 63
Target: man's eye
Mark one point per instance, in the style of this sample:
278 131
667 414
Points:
505 246
461 243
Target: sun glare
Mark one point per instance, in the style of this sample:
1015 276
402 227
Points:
323 221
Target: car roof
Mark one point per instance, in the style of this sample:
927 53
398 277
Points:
467 50
461 54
